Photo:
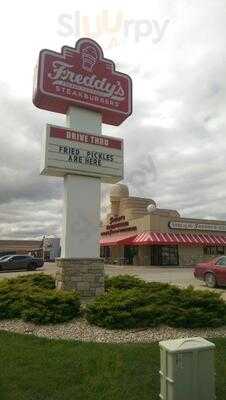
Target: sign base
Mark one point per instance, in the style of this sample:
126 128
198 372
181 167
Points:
85 275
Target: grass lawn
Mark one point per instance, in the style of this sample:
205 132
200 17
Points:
41 369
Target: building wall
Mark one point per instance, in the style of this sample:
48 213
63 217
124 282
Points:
142 223
144 256
134 207
19 246
189 256
117 252
158 221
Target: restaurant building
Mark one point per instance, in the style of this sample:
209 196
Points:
136 232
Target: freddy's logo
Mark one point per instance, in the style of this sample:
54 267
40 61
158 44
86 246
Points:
82 76
89 58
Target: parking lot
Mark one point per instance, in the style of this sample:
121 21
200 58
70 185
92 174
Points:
180 276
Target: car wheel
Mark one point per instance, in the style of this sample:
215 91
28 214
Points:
210 280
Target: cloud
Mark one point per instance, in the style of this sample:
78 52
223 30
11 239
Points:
29 203
181 130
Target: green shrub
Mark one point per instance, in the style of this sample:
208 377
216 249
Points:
12 298
123 282
33 298
50 306
153 304
41 281
130 281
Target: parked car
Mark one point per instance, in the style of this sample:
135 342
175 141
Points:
20 262
213 272
5 256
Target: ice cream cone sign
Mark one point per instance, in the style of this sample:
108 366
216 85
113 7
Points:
89 58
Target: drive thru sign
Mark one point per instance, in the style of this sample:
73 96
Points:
68 151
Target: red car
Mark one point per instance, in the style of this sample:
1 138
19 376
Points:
213 272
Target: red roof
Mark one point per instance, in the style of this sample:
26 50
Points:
179 238
113 240
151 238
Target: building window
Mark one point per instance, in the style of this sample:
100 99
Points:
105 252
213 250
169 255
129 253
164 255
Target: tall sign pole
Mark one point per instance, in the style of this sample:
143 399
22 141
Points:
81 220
85 86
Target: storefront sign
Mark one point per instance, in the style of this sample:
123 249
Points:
117 219
118 225
121 230
81 76
67 151
196 226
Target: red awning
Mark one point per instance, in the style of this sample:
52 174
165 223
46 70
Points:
152 238
113 240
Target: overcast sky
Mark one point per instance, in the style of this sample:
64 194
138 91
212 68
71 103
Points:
175 149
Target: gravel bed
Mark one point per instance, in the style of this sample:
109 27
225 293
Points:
80 330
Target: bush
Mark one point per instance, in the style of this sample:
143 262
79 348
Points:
123 282
33 298
152 304
41 281
50 306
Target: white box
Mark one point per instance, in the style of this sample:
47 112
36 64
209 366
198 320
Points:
187 369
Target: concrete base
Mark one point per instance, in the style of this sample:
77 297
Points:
85 275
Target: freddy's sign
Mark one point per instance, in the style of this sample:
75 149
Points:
67 151
81 76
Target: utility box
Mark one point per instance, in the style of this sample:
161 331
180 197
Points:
187 369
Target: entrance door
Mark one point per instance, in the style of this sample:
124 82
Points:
164 255
169 255
155 255
129 253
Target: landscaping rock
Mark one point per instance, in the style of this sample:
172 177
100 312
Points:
80 330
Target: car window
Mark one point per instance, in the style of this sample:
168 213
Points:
6 258
221 261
